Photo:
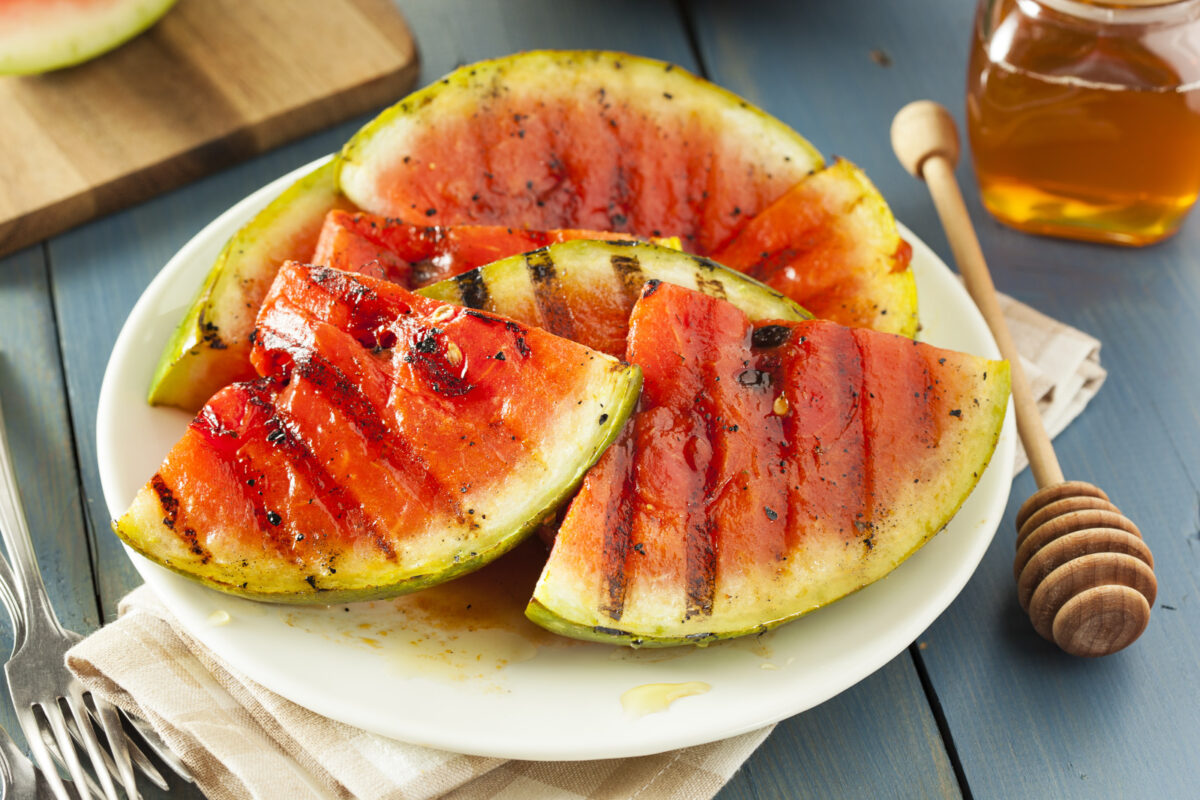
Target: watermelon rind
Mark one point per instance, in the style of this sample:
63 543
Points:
512 286
210 348
37 36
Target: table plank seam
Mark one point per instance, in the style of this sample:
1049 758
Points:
76 458
943 725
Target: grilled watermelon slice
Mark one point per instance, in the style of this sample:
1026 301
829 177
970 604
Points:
576 139
771 468
831 244
392 443
419 255
585 290
211 347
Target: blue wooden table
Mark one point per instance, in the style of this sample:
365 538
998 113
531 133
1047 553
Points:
979 705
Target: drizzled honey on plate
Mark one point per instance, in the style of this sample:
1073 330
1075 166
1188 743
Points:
1084 117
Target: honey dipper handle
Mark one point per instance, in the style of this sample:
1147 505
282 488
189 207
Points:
926 141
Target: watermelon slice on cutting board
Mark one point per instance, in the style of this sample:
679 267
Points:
42 35
392 443
771 469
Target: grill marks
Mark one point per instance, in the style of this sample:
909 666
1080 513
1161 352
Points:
618 522
547 290
345 393
629 272
763 431
828 453
472 289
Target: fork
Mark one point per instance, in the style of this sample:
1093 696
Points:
41 684
18 776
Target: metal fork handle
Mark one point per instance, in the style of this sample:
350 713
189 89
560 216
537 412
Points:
8 596
30 589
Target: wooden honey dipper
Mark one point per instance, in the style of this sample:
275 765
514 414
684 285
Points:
1083 573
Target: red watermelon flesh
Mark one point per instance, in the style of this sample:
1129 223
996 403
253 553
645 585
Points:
576 139
770 469
419 255
831 244
393 442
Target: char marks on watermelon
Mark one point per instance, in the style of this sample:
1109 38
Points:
576 139
419 254
585 290
392 442
770 469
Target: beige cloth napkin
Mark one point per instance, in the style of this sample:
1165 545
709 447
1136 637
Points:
1061 362
243 741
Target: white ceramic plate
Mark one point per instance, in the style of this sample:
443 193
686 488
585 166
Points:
458 667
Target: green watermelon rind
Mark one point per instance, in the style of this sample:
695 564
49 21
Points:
210 347
68 38
542 608
383 138
509 281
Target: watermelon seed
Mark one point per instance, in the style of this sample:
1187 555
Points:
956 412
603 418
274 518
771 513
641 548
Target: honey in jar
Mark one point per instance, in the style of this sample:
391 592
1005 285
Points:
1084 117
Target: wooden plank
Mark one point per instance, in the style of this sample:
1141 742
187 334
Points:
1025 719
877 739
213 82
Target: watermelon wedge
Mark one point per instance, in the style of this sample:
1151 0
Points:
39 36
576 139
418 255
211 347
831 244
392 442
771 468
585 290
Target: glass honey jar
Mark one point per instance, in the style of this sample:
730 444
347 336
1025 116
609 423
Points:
1084 116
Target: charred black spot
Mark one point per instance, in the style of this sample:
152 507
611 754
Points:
753 377
167 499
472 288
603 631
769 336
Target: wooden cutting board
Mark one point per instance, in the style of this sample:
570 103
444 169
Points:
213 82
